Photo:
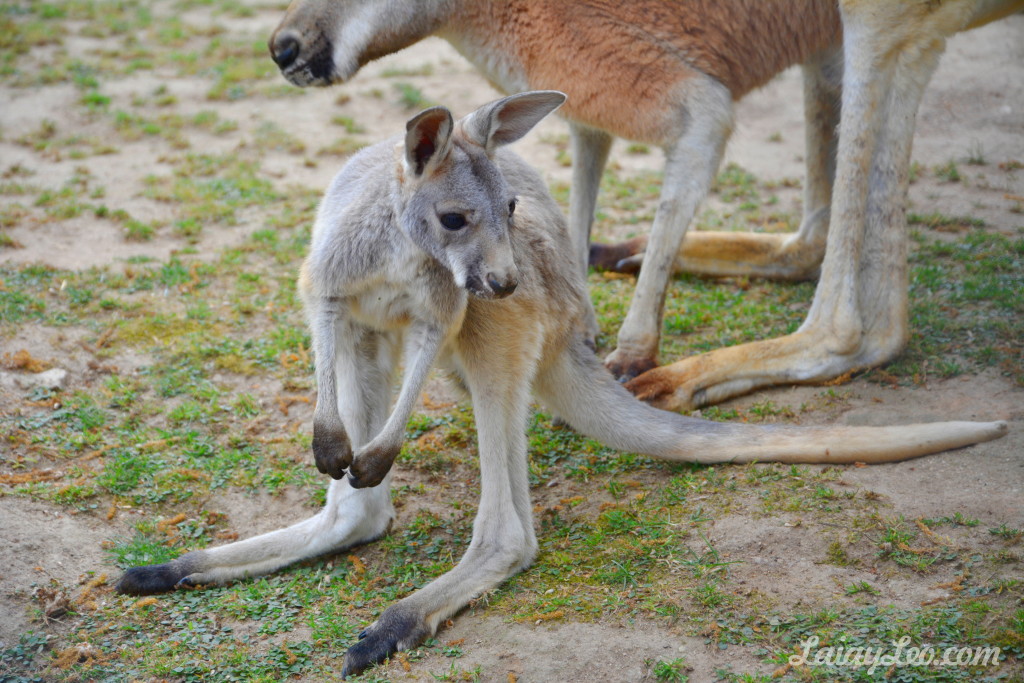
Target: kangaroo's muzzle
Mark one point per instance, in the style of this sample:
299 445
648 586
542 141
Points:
502 286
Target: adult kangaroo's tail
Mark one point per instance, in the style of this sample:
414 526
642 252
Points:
580 391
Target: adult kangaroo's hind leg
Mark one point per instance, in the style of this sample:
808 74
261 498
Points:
858 318
350 516
777 256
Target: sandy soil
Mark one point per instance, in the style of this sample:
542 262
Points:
976 101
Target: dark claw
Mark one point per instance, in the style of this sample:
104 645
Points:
614 257
628 266
155 578
394 631
332 450
626 371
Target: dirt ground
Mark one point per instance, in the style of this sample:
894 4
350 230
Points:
975 101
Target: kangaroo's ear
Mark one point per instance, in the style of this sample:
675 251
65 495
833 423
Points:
428 140
506 120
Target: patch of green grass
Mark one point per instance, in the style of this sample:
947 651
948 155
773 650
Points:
944 223
672 671
406 72
212 188
26 655
963 308
1007 533
410 97
148 545
938 628
976 154
271 137
238 68
735 184
349 124
948 172
342 147
22 296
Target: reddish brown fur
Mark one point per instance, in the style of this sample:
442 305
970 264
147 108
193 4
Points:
639 50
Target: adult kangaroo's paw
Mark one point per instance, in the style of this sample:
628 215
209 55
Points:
158 578
396 629
617 257
332 450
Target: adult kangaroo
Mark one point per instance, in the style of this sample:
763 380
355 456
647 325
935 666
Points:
446 245
667 73
660 72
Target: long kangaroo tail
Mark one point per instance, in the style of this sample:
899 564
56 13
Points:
580 391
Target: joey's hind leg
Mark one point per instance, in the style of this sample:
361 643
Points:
503 536
350 517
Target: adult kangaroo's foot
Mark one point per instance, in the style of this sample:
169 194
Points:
775 256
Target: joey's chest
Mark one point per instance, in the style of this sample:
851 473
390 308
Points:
386 306
394 301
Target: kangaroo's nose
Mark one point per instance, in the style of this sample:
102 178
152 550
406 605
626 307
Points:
284 49
502 289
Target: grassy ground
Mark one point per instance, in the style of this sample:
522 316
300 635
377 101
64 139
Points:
197 382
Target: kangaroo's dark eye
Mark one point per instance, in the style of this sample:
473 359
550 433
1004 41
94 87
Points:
511 207
453 221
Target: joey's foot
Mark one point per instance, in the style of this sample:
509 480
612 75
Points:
157 578
332 451
618 257
625 366
371 465
396 629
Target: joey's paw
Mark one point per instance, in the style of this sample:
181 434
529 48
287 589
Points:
370 466
155 578
625 367
395 630
610 256
332 450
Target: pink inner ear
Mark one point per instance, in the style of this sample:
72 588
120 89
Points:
424 150
425 147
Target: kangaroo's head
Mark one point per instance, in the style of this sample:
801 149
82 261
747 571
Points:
458 206
320 42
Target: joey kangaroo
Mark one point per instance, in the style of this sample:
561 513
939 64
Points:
666 73
446 245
